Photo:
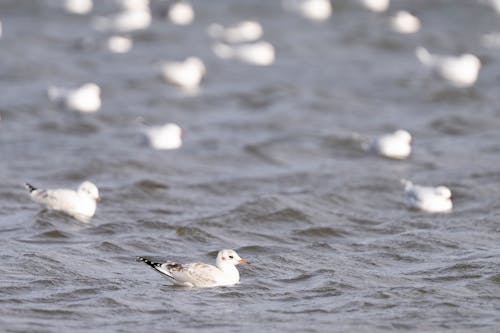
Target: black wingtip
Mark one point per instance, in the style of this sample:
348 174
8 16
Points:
148 262
30 187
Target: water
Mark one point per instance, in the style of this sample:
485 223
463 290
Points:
270 167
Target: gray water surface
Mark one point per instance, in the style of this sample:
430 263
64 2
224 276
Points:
271 166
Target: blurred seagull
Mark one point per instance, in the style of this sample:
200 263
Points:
259 53
136 15
80 204
86 98
186 74
460 71
241 32
165 137
428 199
405 23
224 273
378 6
79 7
119 44
395 145
181 13
315 10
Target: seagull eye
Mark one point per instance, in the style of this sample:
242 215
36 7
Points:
230 257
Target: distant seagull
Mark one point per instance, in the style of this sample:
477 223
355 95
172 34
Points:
395 145
164 137
460 71
181 13
86 98
136 15
241 32
405 23
428 199
119 44
133 5
259 53
378 6
224 273
315 10
79 7
186 74
80 204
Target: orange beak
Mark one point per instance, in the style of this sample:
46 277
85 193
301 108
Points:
243 262
98 199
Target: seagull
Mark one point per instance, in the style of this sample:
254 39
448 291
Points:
241 32
460 71
405 23
78 7
181 13
396 145
186 74
119 44
164 137
86 98
80 204
224 273
314 10
136 15
428 199
259 53
377 6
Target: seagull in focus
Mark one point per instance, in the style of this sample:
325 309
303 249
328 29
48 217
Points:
80 204
460 71
241 32
377 6
86 98
165 137
79 7
428 199
396 145
201 275
186 74
260 53
181 13
404 22
314 10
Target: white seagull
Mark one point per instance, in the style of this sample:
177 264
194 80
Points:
86 98
377 6
241 32
78 7
315 10
181 13
136 15
186 74
395 145
119 44
404 22
224 273
428 199
260 53
164 137
460 71
80 204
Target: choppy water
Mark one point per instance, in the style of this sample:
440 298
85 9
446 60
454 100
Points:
269 167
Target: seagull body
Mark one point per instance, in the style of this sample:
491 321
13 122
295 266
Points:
377 6
186 74
136 15
86 98
181 13
224 273
428 199
241 32
315 10
405 23
79 7
165 137
395 145
80 204
460 71
259 53
119 44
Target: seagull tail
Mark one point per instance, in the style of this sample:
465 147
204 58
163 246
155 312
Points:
30 187
156 266
423 56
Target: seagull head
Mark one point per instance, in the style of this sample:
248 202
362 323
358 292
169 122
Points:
89 189
225 257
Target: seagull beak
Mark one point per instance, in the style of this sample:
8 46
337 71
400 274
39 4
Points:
243 262
98 200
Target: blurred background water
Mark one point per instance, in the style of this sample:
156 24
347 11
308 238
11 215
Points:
269 166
